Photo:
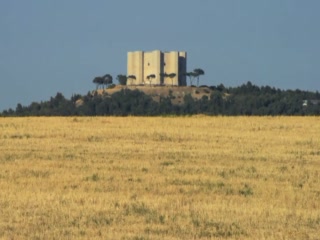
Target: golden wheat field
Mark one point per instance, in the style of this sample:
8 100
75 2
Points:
141 178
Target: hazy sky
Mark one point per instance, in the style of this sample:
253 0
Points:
50 46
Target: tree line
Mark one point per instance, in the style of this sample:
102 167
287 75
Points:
247 99
123 79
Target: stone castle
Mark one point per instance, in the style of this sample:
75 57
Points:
151 67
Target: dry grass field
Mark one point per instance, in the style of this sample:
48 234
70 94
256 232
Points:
171 178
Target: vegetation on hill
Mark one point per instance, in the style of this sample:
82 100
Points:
247 99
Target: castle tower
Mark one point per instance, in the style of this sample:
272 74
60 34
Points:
135 67
152 66
182 68
171 65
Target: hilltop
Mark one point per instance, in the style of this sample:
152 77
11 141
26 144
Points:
175 93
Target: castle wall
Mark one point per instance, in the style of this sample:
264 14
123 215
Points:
182 68
135 67
141 64
171 66
152 62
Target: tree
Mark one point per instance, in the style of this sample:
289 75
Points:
98 81
150 77
163 76
19 110
221 88
172 76
107 79
197 73
132 77
191 76
122 79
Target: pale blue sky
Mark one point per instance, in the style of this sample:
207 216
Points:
50 46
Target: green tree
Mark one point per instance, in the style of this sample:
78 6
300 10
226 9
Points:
172 76
163 76
191 76
221 88
132 77
122 79
107 79
19 110
98 81
197 73
150 77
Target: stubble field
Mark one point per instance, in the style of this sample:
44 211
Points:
138 178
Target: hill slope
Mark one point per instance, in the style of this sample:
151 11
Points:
156 92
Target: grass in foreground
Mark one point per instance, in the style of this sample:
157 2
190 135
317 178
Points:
160 178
